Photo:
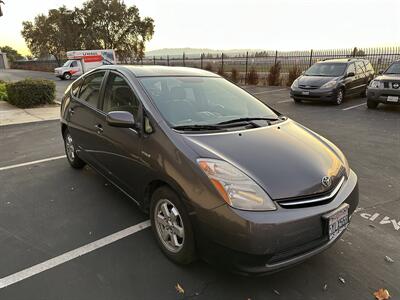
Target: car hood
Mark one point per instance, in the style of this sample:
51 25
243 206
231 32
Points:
286 160
388 77
315 81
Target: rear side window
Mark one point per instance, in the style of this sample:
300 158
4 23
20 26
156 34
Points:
369 66
119 96
90 89
351 69
360 67
75 87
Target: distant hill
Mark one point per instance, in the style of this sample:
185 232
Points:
190 52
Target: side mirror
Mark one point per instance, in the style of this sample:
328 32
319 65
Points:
380 72
350 74
303 72
120 119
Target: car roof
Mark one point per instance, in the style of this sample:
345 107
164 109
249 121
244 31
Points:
153 71
342 60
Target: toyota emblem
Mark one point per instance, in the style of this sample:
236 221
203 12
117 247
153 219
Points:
326 181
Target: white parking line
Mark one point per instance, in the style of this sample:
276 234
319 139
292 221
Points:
31 162
354 106
284 101
270 91
63 258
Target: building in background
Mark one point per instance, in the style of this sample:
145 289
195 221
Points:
3 61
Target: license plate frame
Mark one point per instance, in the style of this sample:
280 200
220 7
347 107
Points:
337 221
393 99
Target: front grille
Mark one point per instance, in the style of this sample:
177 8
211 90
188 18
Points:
297 251
391 85
308 87
313 200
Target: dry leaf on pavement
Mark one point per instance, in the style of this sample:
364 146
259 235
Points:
179 289
382 294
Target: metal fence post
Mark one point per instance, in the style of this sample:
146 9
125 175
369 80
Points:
154 60
276 57
167 60
222 62
247 63
183 58
201 60
311 56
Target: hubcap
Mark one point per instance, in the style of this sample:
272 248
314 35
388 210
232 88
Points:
169 225
69 147
339 97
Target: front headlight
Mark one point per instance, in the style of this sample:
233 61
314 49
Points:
235 187
329 84
376 84
295 84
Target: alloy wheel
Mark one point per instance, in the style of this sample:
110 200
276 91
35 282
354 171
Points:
69 147
169 225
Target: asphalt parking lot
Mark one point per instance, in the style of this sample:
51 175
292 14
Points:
48 209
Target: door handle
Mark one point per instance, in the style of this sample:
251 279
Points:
71 111
99 128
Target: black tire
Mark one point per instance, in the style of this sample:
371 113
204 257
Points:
67 76
296 100
70 152
186 252
372 104
339 96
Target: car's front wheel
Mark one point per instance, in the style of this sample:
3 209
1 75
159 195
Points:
297 100
171 226
339 96
67 76
70 151
372 104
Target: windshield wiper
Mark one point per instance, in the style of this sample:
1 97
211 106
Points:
197 127
249 119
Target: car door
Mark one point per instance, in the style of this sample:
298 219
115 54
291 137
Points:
75 68
118 149
350 81
360 78
81 113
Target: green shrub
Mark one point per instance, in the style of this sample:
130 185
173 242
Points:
3 92
235 75
31 92
221 72
252 77
294 73
274 75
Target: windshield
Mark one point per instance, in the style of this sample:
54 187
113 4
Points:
326 69
393 69
66 64
187 101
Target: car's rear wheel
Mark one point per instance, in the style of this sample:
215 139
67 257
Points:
339 96
171 226
372 104
67 76
70 151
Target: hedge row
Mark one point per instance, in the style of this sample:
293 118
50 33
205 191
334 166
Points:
31 92
3 91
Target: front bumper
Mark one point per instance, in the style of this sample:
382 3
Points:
264 242
315 94
381 95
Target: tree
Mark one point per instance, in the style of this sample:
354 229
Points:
12 54
1 13
111 24
54 34
99 24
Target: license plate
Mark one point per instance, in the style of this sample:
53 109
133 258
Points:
393 99
305 93
338 221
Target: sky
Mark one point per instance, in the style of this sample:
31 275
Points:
235 24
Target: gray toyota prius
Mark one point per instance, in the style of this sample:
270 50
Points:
221 175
